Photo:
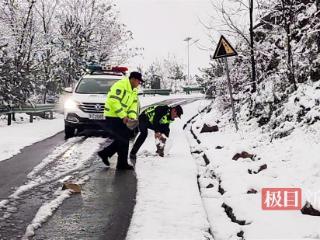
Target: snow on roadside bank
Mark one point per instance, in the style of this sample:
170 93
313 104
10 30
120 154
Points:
168 201
23 134
150 99
231 190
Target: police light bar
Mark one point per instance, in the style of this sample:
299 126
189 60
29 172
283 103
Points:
108 68
119 69
93 68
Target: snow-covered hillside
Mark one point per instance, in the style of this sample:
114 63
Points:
231 180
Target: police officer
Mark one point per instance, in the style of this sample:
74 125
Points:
157 118
121 106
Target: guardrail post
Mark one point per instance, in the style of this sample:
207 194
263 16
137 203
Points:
51 115
9 119
31 118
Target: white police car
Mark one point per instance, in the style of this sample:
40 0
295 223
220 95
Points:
83 109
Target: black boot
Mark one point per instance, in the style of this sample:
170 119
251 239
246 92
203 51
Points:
160 150
125 167
133 157
104 159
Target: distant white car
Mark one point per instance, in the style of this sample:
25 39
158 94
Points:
83 109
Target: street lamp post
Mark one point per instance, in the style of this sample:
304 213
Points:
188 40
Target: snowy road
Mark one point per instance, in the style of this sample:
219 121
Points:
14 171
30 198
41 193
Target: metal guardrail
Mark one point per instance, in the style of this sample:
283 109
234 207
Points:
3 109
32 110
156 91
188 90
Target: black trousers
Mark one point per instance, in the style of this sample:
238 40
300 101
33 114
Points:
144 125
120 134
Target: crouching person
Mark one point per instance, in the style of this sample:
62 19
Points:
157 118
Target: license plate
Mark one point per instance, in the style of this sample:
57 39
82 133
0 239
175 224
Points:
96 116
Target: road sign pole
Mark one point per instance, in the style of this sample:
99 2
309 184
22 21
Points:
224 50
230 91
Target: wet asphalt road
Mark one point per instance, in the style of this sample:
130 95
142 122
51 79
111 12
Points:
13 172
102 211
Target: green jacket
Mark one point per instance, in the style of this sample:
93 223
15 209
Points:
160 118
122 100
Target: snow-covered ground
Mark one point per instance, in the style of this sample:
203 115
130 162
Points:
291 162
68 163
22 133
149 99
228 206
168 201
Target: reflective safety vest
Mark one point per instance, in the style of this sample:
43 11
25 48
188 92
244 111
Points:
150 112
122 100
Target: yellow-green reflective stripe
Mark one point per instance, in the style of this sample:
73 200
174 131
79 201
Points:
165 119
119 110
115 97
124 94
150 112
131 111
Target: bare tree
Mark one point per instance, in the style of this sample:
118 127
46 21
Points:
90 31
288 15
230 24
253 62
282 19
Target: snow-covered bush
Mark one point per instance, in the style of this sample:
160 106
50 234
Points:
287 57
45 45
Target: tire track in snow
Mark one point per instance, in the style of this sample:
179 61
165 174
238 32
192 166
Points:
71 160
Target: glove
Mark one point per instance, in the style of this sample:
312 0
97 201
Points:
132 123
125 120
157 135
160 138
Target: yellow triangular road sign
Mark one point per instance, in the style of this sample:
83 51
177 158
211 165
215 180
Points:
224 49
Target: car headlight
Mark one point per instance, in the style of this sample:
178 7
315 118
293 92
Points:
70 104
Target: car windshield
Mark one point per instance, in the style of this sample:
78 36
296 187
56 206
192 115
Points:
95 85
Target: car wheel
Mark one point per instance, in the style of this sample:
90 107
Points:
79 130
69 132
